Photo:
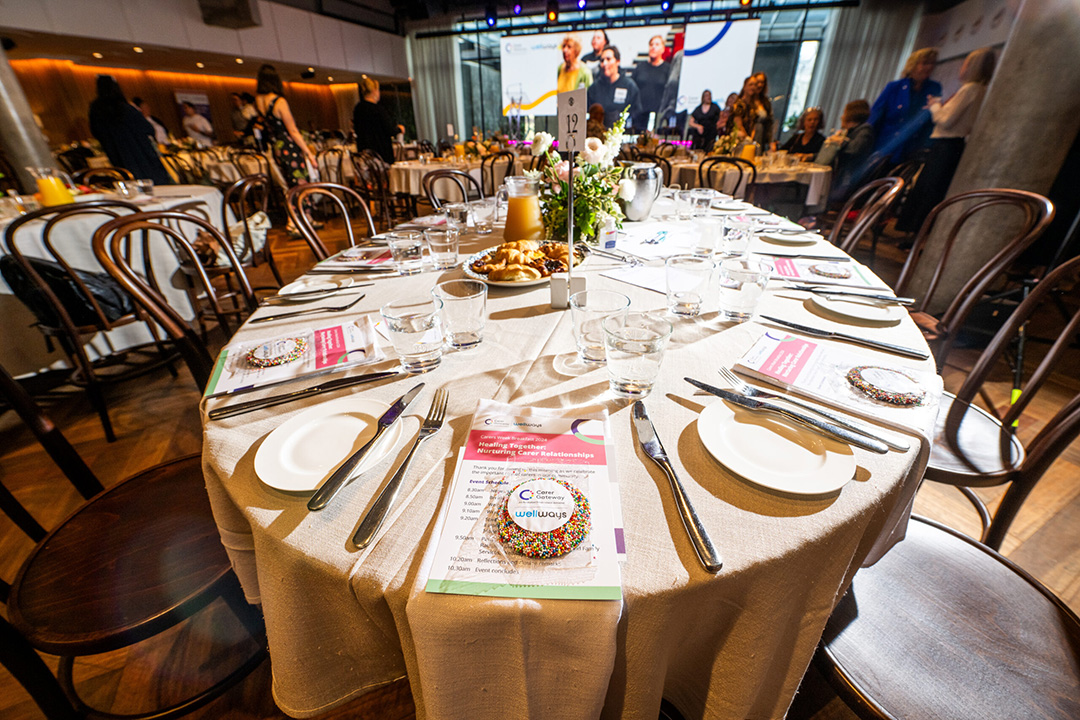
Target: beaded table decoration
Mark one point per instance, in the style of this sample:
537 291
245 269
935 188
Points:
831 270
886 385
518 511
281 352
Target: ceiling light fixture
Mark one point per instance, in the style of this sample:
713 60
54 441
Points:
490 15
199 65
517 8
665 7
98 55
137 49
330 78
744 3
580 4
239 61
553 11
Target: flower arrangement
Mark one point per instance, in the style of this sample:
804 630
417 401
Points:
474 148
725 144
597 185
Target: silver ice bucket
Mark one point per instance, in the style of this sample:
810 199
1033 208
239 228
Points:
646 179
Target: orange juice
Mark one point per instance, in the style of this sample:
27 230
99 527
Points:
523 221
749 151
459 150
54 191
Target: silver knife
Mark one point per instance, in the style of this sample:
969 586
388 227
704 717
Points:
824 290
820 426
324 387
336 480
650 443
306 294
800 256
352 271
875 344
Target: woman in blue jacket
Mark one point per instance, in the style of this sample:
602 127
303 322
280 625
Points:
899 115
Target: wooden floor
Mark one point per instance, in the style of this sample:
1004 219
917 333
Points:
156 419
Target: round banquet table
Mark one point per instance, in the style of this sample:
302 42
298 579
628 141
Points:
408 176
732 645
817 177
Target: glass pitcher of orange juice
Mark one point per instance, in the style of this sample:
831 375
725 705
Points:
55 186
523 220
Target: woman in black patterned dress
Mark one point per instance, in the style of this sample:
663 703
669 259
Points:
290 151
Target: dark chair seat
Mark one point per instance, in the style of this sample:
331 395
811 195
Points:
944 627
142 555
972 456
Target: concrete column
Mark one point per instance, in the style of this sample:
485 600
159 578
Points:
19 134
1028 121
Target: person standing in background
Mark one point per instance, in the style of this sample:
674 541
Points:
953 122
291 153
703 123
371 123
899 114
651 76
161 135
752 116
613 90
197 127
236 116
125 135
572 75
592 59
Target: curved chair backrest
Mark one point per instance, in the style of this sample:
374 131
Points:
537 162
874 198
103 177
488 165
446 146
426 146
1064 427
328 192
181 168
244 198
163 226
250 162
660 161
709 167
665 150
463 180
331 164
1037 212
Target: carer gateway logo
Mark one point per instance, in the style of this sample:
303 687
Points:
503 422
519 47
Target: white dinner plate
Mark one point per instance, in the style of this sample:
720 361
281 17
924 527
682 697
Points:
773 453
311 284
303 451
730 206
469 272
858 309
789 238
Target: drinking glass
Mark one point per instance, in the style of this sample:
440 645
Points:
588 309
735 241
684 204
483 212
635 345
687 282
742 283
407 250
124 188
144 186
709 232
415 330
443 244
702 199
464 311
457 215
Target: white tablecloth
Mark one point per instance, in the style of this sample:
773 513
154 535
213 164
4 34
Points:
734 645
816 176
23 349
408 177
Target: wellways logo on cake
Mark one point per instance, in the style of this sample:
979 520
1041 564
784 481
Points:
538 440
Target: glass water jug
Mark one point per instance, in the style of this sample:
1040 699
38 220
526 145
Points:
53 185
523 219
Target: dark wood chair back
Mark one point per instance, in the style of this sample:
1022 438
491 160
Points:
660 161
464 181
371 178
338 196
488 175
665 150
242 199
168 226
714 165
1036 214
104 177
537 162
426 146
865 209
249 162
331 164
181 168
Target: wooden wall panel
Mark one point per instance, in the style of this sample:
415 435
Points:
60 93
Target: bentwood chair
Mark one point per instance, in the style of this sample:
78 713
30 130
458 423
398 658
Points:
371 178
331 164
180 168
865 209
426 146
665 149
129 563
465 182
338 196
104 177
224 305
661 162
243 199
489 175
943 626
1033 213
72 306
715 165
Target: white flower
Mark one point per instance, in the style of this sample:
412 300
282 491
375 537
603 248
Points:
594 152
626 189
541 142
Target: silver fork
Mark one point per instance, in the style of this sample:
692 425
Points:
751 391
309 311
371 523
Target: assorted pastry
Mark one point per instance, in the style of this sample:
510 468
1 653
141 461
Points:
522 261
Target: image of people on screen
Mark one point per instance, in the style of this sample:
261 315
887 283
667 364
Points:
651 76
572 74
613 90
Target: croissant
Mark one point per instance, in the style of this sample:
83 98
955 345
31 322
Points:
515 273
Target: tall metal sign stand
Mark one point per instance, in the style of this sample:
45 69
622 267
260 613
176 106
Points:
571 125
